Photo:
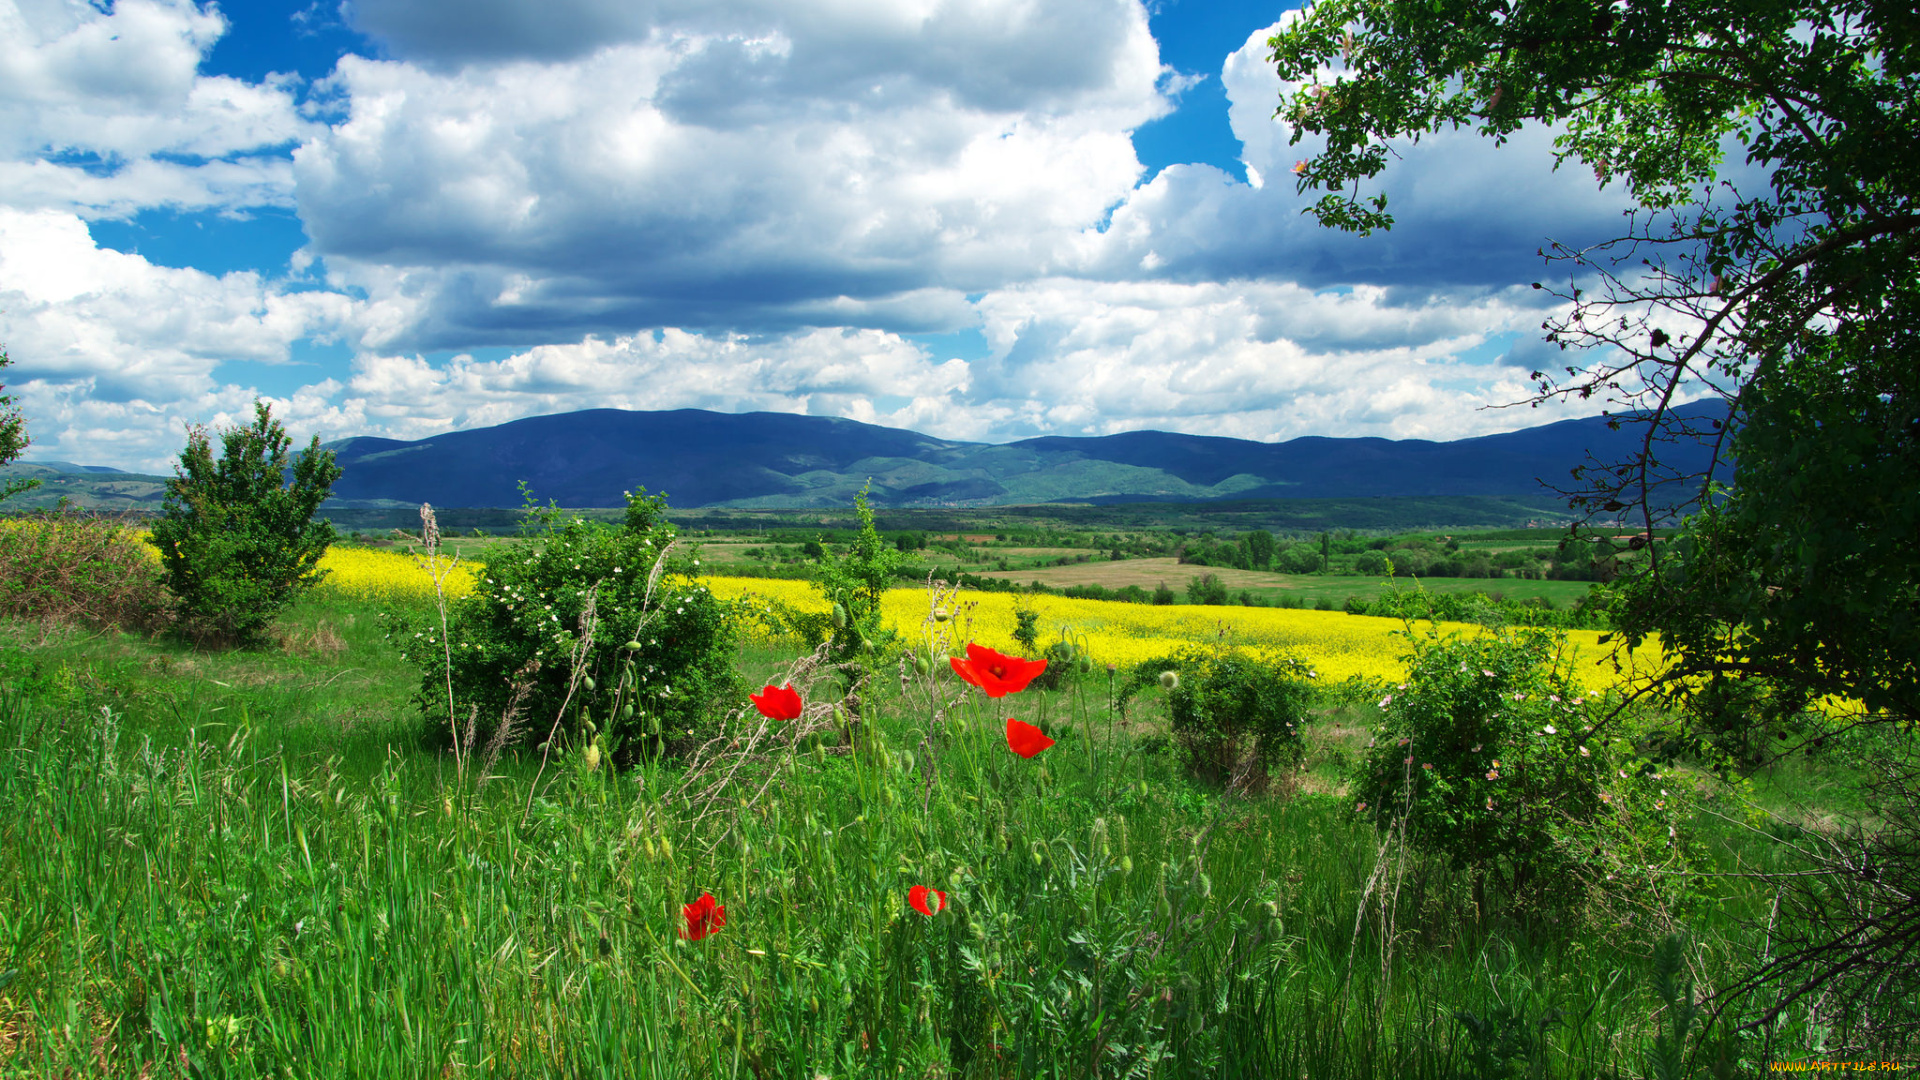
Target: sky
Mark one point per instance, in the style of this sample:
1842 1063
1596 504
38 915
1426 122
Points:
979 219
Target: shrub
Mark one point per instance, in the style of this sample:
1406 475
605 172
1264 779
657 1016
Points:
1486 755
854 581
237 540
1206 589
1236 715
73 567
1371 564
605 633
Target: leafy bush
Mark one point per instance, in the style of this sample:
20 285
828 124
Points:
549 634
1486 753
854 581
1206 589
75 567
237 541
1236 715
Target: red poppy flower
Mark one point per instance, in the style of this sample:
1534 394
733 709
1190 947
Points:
777 702
1025 739
917 896
703 917
996 674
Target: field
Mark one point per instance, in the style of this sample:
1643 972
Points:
262 864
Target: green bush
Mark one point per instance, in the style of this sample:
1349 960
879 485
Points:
70 566
1487 754
519 652
237 539
1236 715
854 581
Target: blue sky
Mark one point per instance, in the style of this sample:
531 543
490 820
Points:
982 220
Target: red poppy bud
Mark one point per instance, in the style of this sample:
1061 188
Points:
918 897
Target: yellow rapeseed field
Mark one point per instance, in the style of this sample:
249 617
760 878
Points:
1339 646
381 576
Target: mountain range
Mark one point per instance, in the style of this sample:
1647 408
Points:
782 460
708 459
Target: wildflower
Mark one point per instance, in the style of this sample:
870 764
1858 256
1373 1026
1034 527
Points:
1553 698
1493 774
1605 798
1428 765
995 674
1583 750
1360 808
1660 804
1496 763
917 896
777 703
1386 701
1487 673
1519 697
1300 167
1025 739
1576 701
703 917
1476 748
1489 802
1549 729
1409 760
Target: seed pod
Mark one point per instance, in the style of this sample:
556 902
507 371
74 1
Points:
631 646
626 711
921 663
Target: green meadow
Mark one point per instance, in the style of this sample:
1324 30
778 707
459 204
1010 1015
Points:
262 864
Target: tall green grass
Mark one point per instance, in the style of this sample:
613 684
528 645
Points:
274 878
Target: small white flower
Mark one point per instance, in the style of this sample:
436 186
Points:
1487 673
1386 701
1583 751
1549 729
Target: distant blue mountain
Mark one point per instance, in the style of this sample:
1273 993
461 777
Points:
70 467
700 458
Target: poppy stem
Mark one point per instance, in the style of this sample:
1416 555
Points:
668 960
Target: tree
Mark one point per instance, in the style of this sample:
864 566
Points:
13 438
1797 303
237 539
1260 548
